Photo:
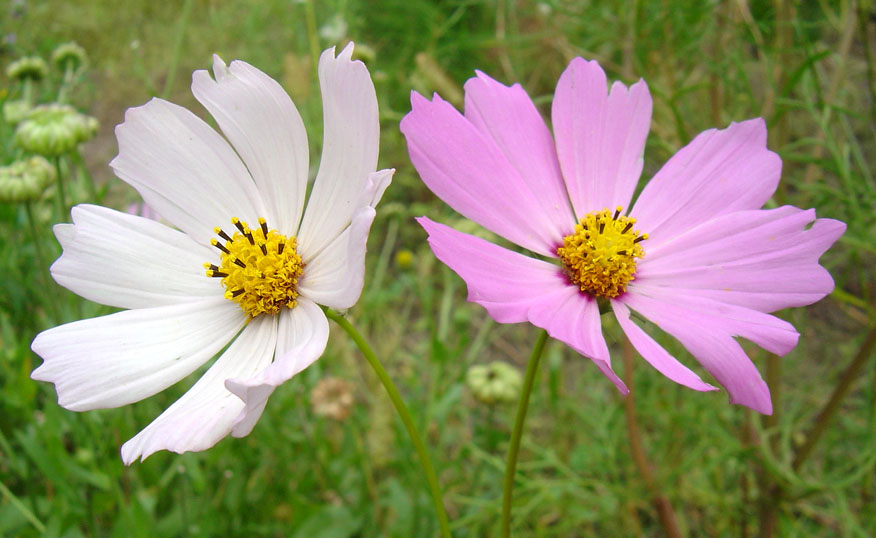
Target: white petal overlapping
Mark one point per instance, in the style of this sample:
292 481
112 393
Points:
124 357
349 152
261 122
205 413
197 180
126 261
184 170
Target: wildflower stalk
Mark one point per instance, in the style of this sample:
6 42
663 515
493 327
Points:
177 48
22 508
665 512
404 414
312 33
517 432
76 158
40 257
62 198
839 393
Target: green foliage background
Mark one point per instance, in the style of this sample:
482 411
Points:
807 68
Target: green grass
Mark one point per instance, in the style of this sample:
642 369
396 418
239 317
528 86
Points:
807 70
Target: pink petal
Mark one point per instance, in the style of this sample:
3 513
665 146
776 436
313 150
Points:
707 329
467 170
261 122
301 339
206 412
719 172
654 353
508 117
515 288
600 136
761 259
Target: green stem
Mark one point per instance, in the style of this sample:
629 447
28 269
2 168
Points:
62 198
403 413
20 506
41 260
76 158
517 432
177 49
312 34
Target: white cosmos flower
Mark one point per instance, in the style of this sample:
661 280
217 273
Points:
265 293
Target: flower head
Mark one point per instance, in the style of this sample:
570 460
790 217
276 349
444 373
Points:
14 112
28 68
25 180
695 253
54 129
237 203
497 382
70 56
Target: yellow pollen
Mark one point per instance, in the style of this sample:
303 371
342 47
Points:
259 267
600 255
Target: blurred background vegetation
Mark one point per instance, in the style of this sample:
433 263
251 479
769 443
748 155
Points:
807 67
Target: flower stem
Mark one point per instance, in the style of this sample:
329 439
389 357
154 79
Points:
22 508
517 432
839 393
403 413
62 198
312 33
177 48
665 512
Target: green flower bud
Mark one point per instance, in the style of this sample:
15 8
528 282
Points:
14 112
69 55
497 382
54 129
29 67
25 181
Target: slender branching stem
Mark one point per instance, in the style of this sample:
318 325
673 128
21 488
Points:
839 393
404 414
661 503
517 432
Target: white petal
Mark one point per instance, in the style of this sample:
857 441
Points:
204 414
349 151
301 339
335 277
124 357
261 122
184 169
126 261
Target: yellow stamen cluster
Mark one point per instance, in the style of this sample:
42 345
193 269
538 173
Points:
600 256
259 268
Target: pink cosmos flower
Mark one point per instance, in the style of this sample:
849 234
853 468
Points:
695 253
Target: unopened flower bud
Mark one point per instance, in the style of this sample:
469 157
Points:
333 398
52 130
69 55
14 112
25 181
29 67
497 382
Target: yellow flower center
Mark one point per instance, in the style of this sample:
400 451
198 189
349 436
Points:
600 255
259 268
